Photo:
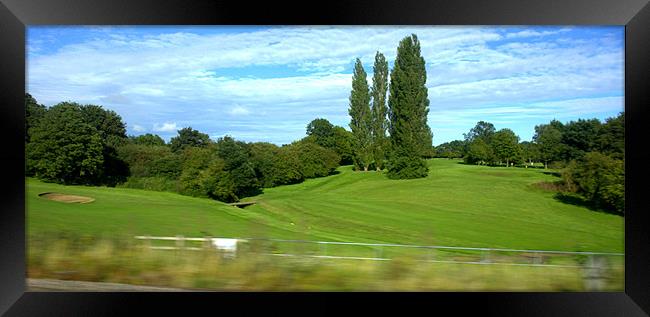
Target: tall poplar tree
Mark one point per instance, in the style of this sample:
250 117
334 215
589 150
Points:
408 103
360 122
379 110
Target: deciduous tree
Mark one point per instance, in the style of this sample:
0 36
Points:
505 146
64 148
548 137
189 137
147 139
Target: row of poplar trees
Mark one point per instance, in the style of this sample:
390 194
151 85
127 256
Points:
392 133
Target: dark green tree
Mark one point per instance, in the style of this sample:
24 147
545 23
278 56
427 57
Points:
322 131
482 130
453 149
479 152
611 137
327 135
219 184
141 158
112 131
33 113
108 123
287 167
315 160
262 158
380 142
505 146
64 148
147 139
548 138
600 179
344 143
579 137
360 118
193 180
189 137
529 152
410 135
236 157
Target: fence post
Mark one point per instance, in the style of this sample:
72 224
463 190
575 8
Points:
595 273
486 256
180 242
323 247
380 252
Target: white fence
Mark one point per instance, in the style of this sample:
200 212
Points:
487 255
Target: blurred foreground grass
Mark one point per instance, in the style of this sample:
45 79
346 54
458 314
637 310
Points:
125 261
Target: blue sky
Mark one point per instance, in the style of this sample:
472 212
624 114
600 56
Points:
259 83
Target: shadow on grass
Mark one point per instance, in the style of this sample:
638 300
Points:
556 174
575 200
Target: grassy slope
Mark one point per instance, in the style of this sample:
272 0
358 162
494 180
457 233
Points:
456 205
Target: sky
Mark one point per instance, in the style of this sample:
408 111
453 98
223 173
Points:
266 83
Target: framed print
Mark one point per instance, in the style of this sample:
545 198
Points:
166 154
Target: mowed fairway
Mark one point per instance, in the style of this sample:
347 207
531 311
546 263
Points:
456 205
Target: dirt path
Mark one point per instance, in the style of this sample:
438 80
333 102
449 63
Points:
48 285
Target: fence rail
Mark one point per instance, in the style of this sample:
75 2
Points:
381 245
594 265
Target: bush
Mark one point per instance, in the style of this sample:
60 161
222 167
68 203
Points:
263 158
151 183
149 160
315 160
405 167
479 152
166 166
600 179
287 168
190 184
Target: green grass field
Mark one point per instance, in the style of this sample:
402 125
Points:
456 205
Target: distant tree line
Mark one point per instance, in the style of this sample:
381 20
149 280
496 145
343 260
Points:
589 153
70 143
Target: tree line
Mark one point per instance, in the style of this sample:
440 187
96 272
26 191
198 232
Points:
589 153
70 143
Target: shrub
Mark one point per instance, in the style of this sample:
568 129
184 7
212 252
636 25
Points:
263 158
151 183
405 167
286 168
600 179
148 160
315 160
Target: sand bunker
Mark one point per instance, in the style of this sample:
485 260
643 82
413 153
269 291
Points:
67 198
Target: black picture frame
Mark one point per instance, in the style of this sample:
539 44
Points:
15 15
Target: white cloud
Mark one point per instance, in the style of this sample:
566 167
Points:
532 33
139 128
165 127
163 77
239 111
